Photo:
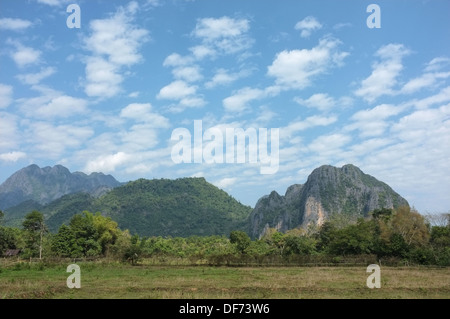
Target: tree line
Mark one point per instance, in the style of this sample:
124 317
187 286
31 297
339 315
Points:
401 234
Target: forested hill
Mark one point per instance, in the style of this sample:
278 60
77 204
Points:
158 207
181 207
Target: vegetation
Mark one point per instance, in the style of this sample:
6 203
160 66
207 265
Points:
400 236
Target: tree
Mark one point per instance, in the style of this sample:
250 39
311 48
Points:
411 226
134 251
8 239
438 219
326 235
382 214
63 242
241 239
35 227
440 236
86 235
2 215
353 239
107 231
299 245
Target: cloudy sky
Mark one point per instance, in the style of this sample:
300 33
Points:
107 96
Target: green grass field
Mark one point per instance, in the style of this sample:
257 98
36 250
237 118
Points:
116 280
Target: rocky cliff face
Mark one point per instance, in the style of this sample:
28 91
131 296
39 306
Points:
328 190
44 185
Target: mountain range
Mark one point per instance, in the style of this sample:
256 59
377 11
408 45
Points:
46 184
190 206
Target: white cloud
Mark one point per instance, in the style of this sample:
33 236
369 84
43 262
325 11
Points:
143 113
297 68
176 60
114 43
222 35
139 137
239 101
9 131
225 27
103 78
14 24
36 78
441 97
384 73
176 90
107 163
373 122
52 104
202 51
288 132
223 77
6 92
24 56
187 73
51 141
437 64
321 101
54 3
424 81
329 144
307 26
225 182
12 156
379 112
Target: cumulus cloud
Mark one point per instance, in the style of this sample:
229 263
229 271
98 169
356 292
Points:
224 77
320 101
6 93
225 182
239 101
307 26
36 78
373 122
329 144
188 73
10 134
222 35
52 141
176 91
52 104
297 69
107 163
14 24
288 132
143 113
24 56
114 44
12 156
384 74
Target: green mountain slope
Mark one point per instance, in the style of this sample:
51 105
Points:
182 207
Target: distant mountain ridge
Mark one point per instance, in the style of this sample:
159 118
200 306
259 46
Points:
43 185
328 190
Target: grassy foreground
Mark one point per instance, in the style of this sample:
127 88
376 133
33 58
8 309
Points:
115 280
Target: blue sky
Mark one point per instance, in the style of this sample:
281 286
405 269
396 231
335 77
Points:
107 96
